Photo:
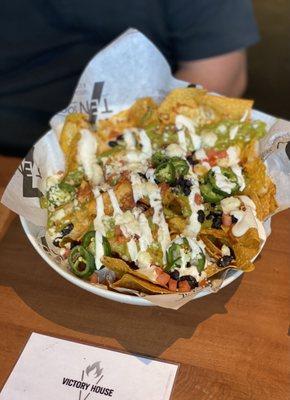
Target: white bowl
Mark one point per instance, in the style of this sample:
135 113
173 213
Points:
30 229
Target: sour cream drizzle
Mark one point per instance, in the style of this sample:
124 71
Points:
129 139
86 156
114 202
247 218
184 122
99 228
222 181
194 225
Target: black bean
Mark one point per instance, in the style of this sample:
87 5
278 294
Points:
209 216
200 216
190 279
217 222
132 265
234 219
143 206
191 161
56 241
232 253
191 85
217 213
175 275
113 143
143 176
67 229
224 261
186 190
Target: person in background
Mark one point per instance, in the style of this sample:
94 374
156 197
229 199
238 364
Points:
45 45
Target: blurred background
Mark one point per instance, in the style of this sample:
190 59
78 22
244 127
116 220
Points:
269 61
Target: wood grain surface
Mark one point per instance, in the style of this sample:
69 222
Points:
232 345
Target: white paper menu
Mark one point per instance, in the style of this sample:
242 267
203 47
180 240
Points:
55 369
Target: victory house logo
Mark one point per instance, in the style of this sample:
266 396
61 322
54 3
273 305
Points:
89 383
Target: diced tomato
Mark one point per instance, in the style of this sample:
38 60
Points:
172 285
202 283
211 153
163 279
226 220
158 270
222 154
212 162
183 286
94 278
198 199
164 187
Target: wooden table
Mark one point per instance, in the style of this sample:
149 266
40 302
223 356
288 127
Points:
231 345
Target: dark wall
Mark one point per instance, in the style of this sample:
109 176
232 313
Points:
269 61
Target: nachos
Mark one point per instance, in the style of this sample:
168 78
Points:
164 195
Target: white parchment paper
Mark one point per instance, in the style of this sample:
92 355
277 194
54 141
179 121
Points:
129 68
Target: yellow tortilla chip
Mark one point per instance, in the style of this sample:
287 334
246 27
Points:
246 248
179 101
143 113
120 267
213 269
135 283
228 107
260 188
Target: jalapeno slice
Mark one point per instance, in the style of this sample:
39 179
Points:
165 172
75 177
88 238
200 262
89 243
106 246
158 158
230 175
173 257
82 262
209 195
181 167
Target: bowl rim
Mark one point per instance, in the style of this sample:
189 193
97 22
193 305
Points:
108 294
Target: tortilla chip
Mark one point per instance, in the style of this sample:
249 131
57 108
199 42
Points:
260 188
211 248
177 225
213 269
246 248
143 113
124 194
179 101
120 267
135 283
228 107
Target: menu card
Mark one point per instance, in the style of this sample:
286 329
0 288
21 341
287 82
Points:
54 369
